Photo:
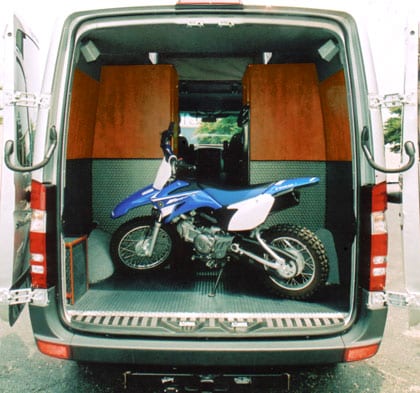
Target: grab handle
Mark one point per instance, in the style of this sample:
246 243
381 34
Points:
409 148
9 148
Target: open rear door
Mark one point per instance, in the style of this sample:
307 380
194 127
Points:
410 179
19 82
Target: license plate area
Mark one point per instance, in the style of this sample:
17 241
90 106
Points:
204 383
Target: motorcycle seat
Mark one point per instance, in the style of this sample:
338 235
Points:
229 195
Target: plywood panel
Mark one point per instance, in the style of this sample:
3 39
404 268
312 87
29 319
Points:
336 118
84 100
285 112
135 104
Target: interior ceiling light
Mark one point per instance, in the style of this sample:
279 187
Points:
328 50
153 57
89 51
267 57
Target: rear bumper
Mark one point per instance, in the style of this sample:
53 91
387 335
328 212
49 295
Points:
367 330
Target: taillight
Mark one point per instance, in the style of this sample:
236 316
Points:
375 238
42 235
60 351
360 353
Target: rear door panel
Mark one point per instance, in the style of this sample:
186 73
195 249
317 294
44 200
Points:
18 118
410 179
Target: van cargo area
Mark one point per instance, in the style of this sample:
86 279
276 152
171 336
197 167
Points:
133 74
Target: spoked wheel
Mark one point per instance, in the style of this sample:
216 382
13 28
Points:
130 244
306 268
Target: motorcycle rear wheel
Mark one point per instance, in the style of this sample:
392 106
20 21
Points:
129 243
309 268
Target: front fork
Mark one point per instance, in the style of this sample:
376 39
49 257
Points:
152 242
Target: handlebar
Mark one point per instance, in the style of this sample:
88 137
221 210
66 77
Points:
170 157
180 164
165 141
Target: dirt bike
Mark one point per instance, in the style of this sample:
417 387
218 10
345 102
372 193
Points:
220 223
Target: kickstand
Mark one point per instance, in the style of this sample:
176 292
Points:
216 284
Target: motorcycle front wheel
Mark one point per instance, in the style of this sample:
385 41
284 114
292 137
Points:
130 243
306 265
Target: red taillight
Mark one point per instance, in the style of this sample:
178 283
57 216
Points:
42 234
38 195
379 239
60 351
374 237
360 353
38 259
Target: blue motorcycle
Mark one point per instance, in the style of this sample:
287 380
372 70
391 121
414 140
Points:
220 224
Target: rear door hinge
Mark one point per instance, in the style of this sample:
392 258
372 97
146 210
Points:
390 100
38 297
398 299
22 98
402 299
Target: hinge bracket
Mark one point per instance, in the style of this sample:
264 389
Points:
21 98
397 299
38 297
390 100
403 299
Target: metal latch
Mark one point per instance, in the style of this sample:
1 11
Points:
195 23
390 100
22 98
38 297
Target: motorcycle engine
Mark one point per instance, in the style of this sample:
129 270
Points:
209 242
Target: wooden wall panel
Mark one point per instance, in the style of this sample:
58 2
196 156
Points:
285 112
84 100
336 118
135 104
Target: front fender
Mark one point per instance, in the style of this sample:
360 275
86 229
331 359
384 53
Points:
139 198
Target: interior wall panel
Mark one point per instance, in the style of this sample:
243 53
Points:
286 120
336 117
84 100
136 103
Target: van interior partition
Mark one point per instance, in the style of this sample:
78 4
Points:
296 124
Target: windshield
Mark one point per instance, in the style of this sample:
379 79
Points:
210 130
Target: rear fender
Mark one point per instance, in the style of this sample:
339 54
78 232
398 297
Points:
288 185
139 198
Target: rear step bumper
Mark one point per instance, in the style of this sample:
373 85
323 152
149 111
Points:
195 352
193 326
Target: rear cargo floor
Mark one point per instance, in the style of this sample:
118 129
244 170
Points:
168 303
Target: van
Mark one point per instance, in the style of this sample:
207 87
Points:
115 79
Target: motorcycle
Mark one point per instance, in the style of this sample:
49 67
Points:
220 224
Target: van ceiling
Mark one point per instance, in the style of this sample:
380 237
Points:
131 44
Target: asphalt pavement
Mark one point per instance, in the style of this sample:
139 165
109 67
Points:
395 369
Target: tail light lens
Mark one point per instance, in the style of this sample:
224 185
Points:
360 353
42 235
60 351
374 237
